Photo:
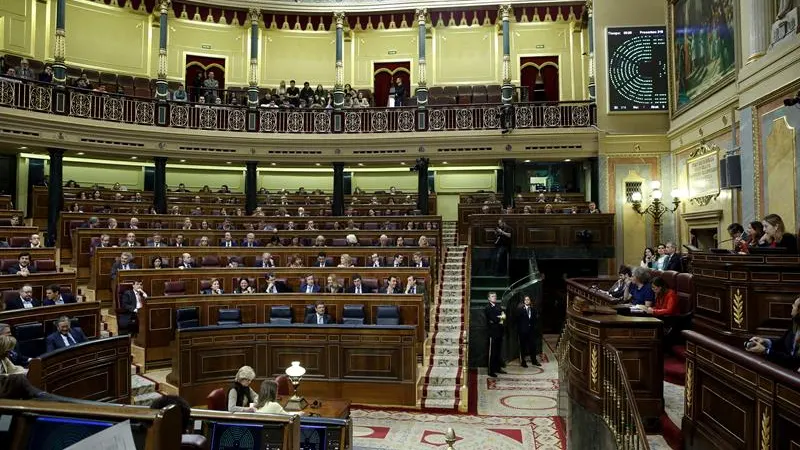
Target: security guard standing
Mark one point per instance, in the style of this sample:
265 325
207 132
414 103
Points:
528 332
495 318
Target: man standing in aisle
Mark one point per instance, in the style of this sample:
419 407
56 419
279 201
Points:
502 244
495 318
528 333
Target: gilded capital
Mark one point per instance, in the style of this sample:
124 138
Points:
422 14
339 18
254 14
505 11
164 6
588 5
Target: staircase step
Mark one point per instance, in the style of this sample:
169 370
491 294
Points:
146 399
439 403
141 385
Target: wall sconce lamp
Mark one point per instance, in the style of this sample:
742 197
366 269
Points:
295 373
656 209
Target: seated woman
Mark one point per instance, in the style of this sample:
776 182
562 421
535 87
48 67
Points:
244 287
267 397
7 345
423 241
215 288
332 285
775 234
640 292
241 397
620 288
755 231
666 303
648 259
661 258
157 263
296 261
345 261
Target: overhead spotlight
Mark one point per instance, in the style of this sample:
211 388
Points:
227 162
402 163
272 164
183 160
317 164
527 160
23 148
81 153
567 160
792 101
444 162
134 157
361 164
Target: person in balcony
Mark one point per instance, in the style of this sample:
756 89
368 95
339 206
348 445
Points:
784 351
399 92
211 88
179 95
24 71
47 74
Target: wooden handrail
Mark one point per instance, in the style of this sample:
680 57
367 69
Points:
619 405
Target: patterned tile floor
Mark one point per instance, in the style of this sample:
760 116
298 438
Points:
515 412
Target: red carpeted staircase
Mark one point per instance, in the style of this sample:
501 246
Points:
675 373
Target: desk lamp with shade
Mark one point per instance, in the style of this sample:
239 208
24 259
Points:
295 373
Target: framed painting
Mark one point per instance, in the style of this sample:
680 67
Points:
703 48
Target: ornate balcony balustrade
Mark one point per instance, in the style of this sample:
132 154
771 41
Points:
96 105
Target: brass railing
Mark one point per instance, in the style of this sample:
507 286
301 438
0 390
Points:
111 107
619 405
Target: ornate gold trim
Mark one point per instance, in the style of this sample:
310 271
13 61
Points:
594 370
738 308
766 429
756 162
689 389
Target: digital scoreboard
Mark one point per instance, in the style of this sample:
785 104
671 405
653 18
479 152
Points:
637 69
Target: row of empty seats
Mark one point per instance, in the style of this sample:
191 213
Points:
282 314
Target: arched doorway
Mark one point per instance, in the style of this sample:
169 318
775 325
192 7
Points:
383 76
540 75
201 64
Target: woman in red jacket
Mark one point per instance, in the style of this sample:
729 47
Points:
666 303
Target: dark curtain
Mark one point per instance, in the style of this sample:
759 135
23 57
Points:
201 64
383 76
531 66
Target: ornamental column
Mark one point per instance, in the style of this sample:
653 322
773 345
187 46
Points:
160 185
162 94
422 185
760 27
338 189
422 89
590 30
508 89
509 181
252 91
338 87
55 198
59 56
251 187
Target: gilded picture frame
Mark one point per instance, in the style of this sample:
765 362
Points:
702 175
703 50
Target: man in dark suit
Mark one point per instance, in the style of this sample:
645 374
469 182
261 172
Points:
64 336
319 316
266 261
250 241
186 261
412 287
23 266
374 261
130 240
358 287
495 318
35 241
132 300
392 287
527 332
156 241
502 244
322 260
673 258
228 241
125 262
55 297
785 351
309 285
24 301
14 355
274 286
418 261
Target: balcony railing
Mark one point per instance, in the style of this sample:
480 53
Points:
96 105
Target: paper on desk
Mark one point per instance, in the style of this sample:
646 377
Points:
118 437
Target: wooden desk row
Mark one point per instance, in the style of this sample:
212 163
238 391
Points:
526 196
6 233
82 240
465 211
157 316
12 253
39 282
98 369
103 259
9 213
69 222
374 365
638 339
737 400
551 235
6 202
87 313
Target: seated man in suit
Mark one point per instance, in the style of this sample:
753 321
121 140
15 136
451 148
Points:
55 297
35 241
673 258
784 351
358 287
24 301
186 261
398 261
266 261
125 262
130 240
250 241
318 316
418 261
412 287
274 286
64 336
156 241
132 301
14 355
309 285
23 266
374 261
227 241
322 260
392 287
